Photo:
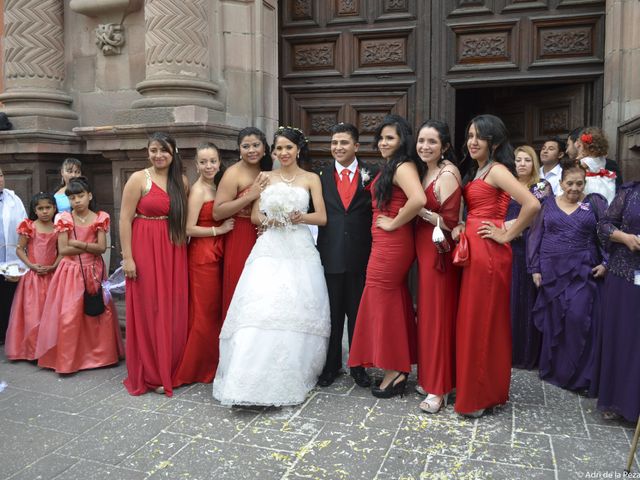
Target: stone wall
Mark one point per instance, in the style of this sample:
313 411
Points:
621 112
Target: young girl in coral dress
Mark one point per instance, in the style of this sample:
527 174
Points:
70 340
153 237
238 189
38 250
205 252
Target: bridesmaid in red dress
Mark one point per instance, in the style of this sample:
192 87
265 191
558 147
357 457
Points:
70 340
200 359
384 336
153 237
38 250
438 278
238 189
483 327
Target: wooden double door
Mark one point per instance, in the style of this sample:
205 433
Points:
537 64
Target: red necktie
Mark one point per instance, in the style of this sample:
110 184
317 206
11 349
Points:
343 187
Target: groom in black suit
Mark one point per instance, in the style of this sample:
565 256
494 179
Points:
344 243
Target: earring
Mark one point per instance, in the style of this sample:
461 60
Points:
442 156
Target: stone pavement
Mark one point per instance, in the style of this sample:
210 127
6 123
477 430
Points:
85 426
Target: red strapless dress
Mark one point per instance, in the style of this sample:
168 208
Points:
483 329
238 245
200 359
385 330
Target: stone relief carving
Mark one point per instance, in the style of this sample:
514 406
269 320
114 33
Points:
566 42
369 121
110 38
395 6
385 52
176 32
321 123
483 47
34 39
555 120
347 7
313 56
302 9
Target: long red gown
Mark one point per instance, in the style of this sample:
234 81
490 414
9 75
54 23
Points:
438 288
483 328
200 359
157 313
69 340
238 245
29 300
385 332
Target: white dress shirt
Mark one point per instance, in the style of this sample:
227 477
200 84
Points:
553 177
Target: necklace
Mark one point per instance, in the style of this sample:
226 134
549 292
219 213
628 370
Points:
82 219
288 181
483 169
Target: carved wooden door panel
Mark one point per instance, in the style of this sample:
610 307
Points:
537 63
352 61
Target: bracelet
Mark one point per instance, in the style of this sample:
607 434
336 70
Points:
213 229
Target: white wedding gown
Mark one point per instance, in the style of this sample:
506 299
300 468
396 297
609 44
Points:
273 342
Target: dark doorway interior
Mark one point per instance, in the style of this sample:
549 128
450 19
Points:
531 113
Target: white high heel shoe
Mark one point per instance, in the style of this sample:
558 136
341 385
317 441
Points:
433 403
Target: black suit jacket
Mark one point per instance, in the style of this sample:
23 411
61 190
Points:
344 242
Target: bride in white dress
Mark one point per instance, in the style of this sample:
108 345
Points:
274 339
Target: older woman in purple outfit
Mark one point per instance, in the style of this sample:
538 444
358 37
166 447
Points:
565 259
619 230
526 338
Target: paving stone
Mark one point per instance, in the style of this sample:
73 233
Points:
205 460
286 420
338 453
88 470
22 445
213 422
200 392
526 387
156 451
118 436
341 386
148 401
430 435
582 455
47 467
446 468
403 464
534 418
178 407
496 427
532 452
346 410
609 433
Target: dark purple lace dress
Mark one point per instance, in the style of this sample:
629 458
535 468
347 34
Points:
620 339
526 338
564 248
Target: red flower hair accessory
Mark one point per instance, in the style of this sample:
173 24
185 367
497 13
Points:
586 138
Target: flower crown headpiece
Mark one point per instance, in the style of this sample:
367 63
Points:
586 138
295 129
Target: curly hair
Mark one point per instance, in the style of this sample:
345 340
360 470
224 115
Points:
570 165
594 141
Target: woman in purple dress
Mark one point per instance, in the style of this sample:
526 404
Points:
526 338
566 262
619 230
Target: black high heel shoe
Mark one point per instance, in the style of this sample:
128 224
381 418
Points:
392 389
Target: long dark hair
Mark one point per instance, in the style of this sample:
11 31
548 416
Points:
491 129
212 146
78 185
68 162
266 162
34 203
175 190
297 137
445 139
406 152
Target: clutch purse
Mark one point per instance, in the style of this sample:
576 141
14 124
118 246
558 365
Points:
461 251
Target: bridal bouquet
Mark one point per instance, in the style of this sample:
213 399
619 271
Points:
278 203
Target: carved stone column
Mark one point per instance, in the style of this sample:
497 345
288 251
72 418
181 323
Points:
177 56
34 67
